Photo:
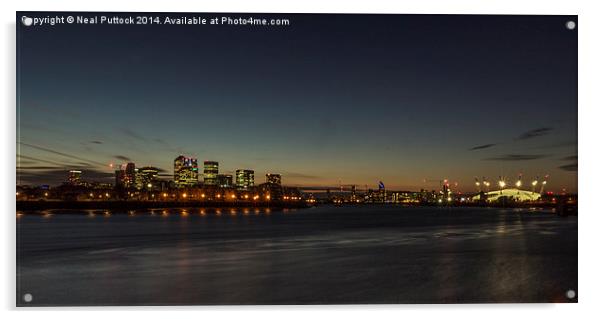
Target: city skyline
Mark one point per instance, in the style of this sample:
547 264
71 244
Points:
203 177
398 99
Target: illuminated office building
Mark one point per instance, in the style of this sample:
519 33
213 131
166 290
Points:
185 171
74 177
210 171
147 176
138 179
126 175
245 178
275 179
224 180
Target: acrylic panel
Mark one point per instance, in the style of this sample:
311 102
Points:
267 159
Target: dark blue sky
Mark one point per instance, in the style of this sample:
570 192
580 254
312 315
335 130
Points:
350 98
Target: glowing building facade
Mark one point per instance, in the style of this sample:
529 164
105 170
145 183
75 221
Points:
126 175
245 178
210 172
74 177
147 176
185 171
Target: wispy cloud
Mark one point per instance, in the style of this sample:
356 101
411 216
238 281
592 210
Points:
534 133
480 147
569 167
160 141
122 158
132 134
572 167
516 157
25 168
88 161
166 145
37 160
557 145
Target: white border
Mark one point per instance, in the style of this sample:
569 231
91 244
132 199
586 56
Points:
589 154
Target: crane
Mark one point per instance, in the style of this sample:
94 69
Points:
478 184
543 184
534 183
486 183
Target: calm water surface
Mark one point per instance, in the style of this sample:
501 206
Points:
340 255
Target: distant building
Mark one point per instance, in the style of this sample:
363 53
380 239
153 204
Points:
446 191
126 175
148 176
405 197
138 179
224 180
376 196
245 178
273 179
185 171
210 172
74 177
290 193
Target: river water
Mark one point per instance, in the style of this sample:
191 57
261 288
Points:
321 255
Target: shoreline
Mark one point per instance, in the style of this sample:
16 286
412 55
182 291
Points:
30 207
132 205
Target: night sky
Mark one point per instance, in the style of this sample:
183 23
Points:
353 99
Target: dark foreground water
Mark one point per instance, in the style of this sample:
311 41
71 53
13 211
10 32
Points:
364 254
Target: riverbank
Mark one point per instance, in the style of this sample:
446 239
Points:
131 205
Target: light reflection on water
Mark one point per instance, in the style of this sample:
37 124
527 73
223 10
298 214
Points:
183 212
322 255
